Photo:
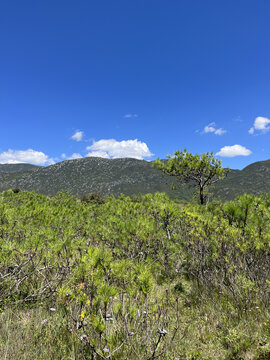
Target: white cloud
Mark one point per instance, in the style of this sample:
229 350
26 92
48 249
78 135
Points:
25 156
220 131
261 124
75 156
129 116
77 136
63 156
101 154
112 148
232 151
211 128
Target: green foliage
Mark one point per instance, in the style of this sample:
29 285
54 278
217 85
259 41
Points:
138 278
198 170
94 197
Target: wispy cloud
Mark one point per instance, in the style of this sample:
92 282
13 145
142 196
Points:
111 148
220 131
261 124
238 119
77 136
211 128
75 156
29 156
234 150
129 116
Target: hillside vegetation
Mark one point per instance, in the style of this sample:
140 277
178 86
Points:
124 176
91 175
133 278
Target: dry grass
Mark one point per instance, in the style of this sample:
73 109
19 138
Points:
204 334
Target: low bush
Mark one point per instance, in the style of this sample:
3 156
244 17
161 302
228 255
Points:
136 278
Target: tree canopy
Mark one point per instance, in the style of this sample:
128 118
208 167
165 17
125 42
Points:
198 170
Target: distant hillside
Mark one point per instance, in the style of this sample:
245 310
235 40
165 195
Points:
128 176
17 168
9 173
253 179
84 176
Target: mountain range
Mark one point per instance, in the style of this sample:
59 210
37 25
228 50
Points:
128 176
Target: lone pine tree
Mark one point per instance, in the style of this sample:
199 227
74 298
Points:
198 170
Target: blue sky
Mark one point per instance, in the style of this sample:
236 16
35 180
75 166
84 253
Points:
134 78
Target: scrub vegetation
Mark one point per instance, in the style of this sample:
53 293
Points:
142 277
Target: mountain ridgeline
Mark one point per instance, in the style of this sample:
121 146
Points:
128 176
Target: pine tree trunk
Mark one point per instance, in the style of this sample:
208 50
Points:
201 196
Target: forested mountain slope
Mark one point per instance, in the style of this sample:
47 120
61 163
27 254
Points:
128 176
17 168
253 179
83 176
